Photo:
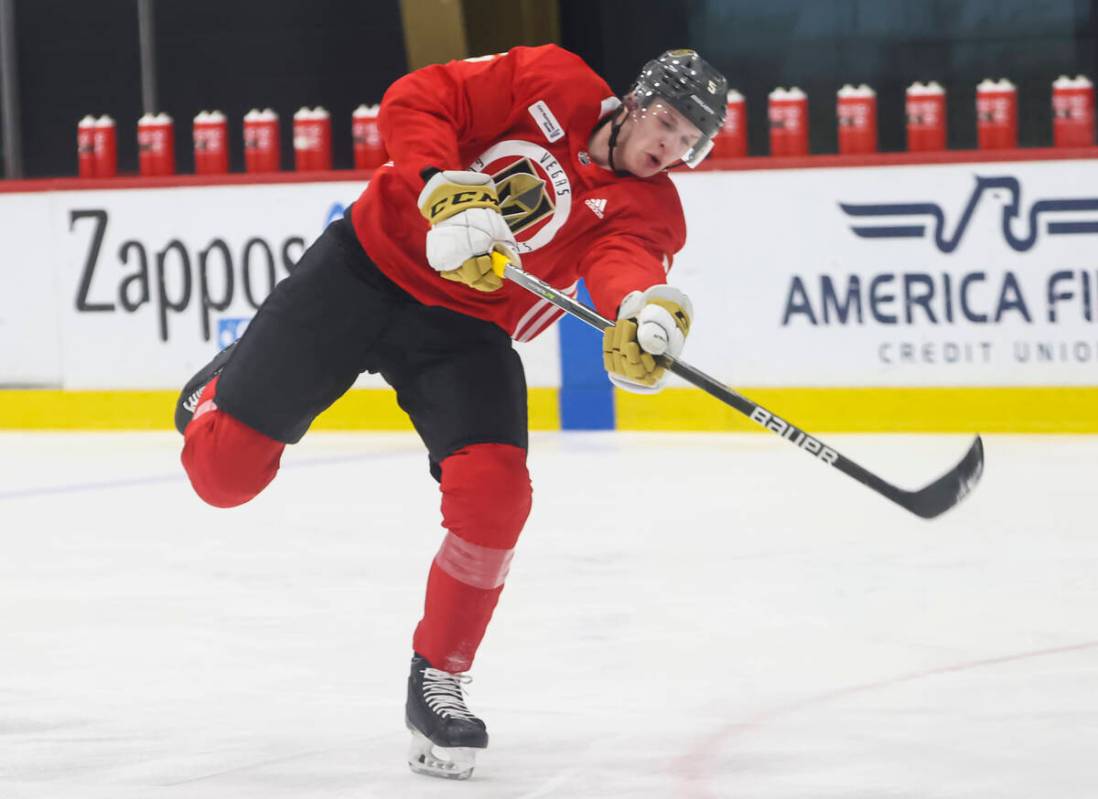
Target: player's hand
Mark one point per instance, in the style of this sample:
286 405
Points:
466 226
650 323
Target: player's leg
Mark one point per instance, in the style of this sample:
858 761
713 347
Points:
304 348
463 385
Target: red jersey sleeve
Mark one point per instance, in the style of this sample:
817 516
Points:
637 250
427 115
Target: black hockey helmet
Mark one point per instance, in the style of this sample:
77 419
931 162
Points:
692 87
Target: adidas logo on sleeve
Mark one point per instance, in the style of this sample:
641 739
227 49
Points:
598 207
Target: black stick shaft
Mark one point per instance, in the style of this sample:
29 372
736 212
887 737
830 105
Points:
929 502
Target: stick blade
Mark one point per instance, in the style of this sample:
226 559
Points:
949 489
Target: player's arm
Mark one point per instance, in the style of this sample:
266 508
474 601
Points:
627 280
426 113
423 117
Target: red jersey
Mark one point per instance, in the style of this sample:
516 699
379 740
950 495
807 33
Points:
525 118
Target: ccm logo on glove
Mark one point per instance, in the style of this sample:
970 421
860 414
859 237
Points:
650 323
466 226
461 201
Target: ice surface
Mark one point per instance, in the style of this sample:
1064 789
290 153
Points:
687 616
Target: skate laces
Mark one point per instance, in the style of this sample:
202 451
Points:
442 691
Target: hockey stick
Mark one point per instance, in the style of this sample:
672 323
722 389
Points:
928 502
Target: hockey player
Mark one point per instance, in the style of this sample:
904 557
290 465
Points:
528 153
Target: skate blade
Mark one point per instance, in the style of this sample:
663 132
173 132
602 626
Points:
454 763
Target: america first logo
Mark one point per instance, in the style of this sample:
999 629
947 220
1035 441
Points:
961 298
535 194
915 220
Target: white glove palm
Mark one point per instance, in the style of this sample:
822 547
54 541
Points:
466 226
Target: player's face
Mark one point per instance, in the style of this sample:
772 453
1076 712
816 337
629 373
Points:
658 137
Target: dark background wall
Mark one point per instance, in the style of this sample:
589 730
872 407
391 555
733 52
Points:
616 37
821 44
82 57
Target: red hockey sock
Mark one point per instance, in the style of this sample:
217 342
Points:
486 498
227 462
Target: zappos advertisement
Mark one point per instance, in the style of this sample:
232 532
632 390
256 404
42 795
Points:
932 275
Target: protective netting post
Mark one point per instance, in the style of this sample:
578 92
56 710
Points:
148 56
9 92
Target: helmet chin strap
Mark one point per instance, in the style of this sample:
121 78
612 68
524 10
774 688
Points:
615 129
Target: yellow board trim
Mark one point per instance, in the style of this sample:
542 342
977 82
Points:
1070 409
358 409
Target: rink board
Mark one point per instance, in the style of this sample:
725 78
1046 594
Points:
1066 409
907 297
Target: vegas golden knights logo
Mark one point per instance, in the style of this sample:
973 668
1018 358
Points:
523 199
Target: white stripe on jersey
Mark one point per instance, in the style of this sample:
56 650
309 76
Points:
541 322
533 320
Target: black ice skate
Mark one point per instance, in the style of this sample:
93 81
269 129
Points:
445 735
188 398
